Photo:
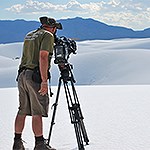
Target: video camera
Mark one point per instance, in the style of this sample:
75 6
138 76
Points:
63 48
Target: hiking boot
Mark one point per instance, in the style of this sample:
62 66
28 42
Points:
18 145
41 145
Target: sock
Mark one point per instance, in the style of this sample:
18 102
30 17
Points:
17 136
39 138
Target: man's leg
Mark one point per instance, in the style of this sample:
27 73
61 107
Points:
37 125
19 126
19 123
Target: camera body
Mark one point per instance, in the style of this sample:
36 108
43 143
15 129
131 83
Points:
63 48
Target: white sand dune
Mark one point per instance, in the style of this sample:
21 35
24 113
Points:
115 101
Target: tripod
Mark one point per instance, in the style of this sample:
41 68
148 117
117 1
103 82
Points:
73 106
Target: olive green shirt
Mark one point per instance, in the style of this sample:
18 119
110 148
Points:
35 41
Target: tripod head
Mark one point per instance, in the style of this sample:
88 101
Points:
66 72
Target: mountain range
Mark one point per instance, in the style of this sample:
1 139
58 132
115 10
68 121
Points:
76 28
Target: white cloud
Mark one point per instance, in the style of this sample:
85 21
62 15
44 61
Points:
34 6
73 5
114 3
116 12
127 19
15 8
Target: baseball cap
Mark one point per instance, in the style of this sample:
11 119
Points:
51 22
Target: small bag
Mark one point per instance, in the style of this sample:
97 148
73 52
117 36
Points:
19 72
36 76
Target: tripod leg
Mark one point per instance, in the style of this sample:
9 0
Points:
79 114
74 115
54 112
79 120
79 136
84 133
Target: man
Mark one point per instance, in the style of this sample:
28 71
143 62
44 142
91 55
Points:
32 82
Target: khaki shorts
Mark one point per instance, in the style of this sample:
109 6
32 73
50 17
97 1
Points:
30 101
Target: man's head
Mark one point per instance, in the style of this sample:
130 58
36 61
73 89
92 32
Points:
51 22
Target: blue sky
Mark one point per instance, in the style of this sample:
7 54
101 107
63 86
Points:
133 14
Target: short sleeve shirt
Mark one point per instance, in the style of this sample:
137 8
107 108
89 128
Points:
34 42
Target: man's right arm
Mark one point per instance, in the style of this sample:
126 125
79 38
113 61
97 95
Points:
43 61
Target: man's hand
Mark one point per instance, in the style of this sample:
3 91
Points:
44 88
